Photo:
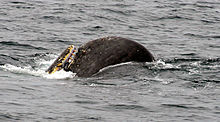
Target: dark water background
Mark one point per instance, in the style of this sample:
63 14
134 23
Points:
182 85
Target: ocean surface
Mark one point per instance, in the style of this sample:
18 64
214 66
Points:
183 84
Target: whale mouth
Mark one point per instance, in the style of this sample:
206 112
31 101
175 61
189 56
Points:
64 61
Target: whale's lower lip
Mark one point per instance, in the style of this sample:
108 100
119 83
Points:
65 59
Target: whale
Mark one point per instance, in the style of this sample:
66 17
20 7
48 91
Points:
97 54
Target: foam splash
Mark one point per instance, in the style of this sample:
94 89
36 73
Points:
39 71
164 65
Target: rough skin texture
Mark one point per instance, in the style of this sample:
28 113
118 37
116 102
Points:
103 52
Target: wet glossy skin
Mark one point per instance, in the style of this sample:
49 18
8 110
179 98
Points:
103 52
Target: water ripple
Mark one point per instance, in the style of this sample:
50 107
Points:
183 36
121 107
16 44
185 106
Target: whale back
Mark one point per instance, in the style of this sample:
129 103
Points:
103 52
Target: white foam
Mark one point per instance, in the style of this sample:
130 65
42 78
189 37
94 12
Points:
39 71
163 65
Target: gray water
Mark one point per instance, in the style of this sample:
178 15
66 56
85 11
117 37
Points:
182 85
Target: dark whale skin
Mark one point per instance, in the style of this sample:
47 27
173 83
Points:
103 52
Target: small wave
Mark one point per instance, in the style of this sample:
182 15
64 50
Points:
179 60
173 17
126 13
121 5
162 65
6 116
203 36
188 54
16 44
5 58
120 107
185 106
208 2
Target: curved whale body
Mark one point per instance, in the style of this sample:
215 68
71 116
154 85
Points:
103 52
